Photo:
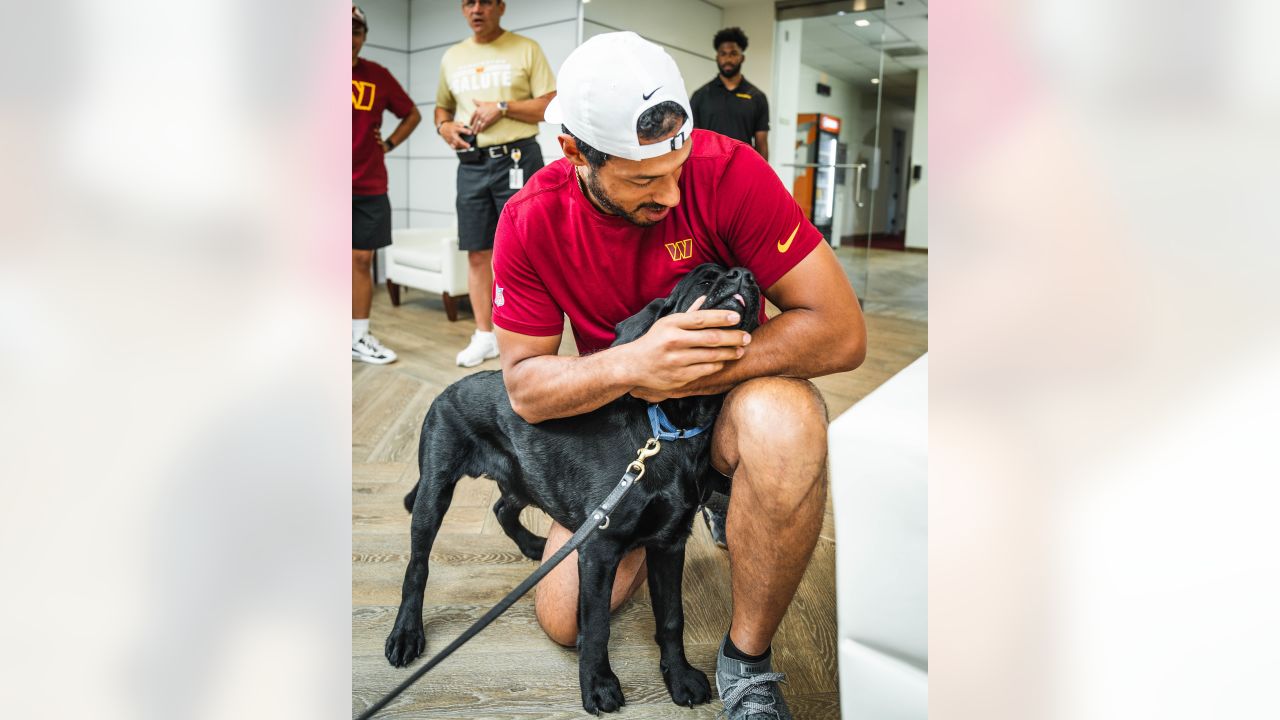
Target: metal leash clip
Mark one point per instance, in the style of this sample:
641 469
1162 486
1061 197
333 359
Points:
650 449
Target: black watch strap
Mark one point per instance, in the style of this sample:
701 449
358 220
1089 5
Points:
390 144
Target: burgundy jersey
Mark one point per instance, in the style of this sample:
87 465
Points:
373 90
555 254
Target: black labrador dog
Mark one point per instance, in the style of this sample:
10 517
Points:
567 467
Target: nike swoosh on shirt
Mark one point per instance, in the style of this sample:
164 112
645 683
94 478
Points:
785 246
651 92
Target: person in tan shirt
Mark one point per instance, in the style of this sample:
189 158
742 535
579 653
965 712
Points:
494 88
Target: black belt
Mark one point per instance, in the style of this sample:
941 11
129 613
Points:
497 151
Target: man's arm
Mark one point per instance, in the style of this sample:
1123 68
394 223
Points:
695 104
450 130
529 111
762 127
677 350
820 331
762 144
543 385
407 125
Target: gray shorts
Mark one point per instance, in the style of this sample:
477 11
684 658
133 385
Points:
484 189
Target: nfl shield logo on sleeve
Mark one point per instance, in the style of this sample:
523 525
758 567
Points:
497 296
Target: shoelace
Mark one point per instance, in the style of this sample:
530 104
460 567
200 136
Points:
737 695
372 343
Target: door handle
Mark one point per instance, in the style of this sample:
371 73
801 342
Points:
822 165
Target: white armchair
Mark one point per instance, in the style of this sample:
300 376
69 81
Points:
879 487
427 259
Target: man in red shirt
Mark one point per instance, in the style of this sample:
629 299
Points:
373 91
639 199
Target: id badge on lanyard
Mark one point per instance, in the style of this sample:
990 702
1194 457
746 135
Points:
515 176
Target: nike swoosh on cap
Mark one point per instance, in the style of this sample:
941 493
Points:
785 246
651 92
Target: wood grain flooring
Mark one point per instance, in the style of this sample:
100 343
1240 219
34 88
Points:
511 670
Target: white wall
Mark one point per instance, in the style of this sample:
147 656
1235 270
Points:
785 102
756 20
687 41
918 194
434 26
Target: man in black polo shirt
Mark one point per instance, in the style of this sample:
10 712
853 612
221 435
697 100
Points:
729 104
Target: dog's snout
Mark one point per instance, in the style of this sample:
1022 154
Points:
733 289
734 281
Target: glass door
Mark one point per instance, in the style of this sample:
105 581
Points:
853 74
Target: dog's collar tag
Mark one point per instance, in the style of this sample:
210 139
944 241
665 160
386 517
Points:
663 429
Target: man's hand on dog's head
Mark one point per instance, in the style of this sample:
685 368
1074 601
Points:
681 348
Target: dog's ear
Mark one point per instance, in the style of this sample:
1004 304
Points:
639 324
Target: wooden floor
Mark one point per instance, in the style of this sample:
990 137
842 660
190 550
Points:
511 670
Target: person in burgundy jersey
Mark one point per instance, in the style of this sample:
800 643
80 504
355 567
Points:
639 199
373 91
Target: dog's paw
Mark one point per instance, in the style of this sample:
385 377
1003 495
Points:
601 692
404 644
688 685
534 548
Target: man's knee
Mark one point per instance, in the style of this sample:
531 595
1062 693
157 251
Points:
480 258
556 600
780 433
361 259
560 626
778 413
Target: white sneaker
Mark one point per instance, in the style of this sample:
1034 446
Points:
483 347
368 349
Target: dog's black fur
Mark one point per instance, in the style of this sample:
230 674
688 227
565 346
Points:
566 467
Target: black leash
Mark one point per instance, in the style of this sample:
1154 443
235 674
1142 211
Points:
598 519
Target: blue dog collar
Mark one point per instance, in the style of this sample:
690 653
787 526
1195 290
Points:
664 430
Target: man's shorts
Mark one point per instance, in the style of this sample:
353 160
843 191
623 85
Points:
370 222
484 189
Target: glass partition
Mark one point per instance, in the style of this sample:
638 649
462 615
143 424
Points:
851 71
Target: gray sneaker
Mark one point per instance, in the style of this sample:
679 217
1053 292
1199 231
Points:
368 349
715 511
750 690
715 525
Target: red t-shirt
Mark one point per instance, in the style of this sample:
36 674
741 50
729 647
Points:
555 254
373 90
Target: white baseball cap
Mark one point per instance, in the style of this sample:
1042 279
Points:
607 83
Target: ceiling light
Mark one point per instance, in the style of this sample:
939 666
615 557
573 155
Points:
875 81
862 23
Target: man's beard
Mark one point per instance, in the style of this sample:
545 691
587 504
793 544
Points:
607 203
730 69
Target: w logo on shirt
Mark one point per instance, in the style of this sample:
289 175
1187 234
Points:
362 95
681 250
